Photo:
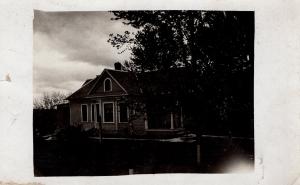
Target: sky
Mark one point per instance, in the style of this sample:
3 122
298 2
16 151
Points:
70 47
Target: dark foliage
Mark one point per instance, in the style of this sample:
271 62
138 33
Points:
44 121
204 40
202 59
71 134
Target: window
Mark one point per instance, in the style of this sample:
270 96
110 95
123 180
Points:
93 112
107 85
123 114
108 112
84 112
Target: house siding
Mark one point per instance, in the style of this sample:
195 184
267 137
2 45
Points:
75 113
96 94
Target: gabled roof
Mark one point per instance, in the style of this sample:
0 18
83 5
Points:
174 82
126 80
83 90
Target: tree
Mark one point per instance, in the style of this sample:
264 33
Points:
214 47
198 39
49 100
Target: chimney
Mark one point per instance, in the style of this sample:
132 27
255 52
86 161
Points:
118 66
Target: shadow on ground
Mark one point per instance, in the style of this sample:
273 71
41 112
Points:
88 157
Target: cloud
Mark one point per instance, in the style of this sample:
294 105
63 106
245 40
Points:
81 35
52 72
70 47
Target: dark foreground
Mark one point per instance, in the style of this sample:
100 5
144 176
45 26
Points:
117 156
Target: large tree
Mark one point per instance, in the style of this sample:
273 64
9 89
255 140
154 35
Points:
198 39
214 47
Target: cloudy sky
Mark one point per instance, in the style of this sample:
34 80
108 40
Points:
70 47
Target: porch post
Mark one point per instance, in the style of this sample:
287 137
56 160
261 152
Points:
99 119
116 114
198 154
172 121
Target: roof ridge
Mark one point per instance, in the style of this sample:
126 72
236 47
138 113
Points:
90 80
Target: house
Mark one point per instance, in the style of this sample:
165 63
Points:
113 100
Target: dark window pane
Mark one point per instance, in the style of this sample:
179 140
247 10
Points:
93 112
108 112
123 112
84 112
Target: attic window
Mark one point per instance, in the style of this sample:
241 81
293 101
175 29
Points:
107 85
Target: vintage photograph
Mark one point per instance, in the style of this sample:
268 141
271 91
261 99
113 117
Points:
143 92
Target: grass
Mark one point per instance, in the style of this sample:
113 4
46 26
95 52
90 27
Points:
115 157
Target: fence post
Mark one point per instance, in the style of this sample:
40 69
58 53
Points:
198 154
130 171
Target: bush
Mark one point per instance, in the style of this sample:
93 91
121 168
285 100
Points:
72 134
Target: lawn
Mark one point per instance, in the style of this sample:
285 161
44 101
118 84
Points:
116 156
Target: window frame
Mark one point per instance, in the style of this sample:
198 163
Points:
103 110
97 112
119 113
87 112
104 85
94 106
